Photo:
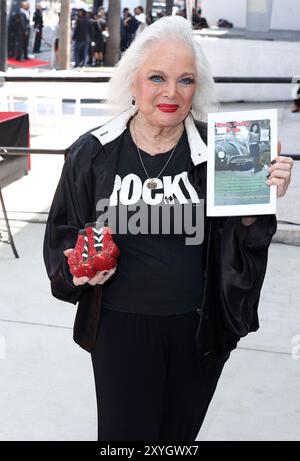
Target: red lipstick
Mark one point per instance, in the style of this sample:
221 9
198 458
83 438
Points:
167 107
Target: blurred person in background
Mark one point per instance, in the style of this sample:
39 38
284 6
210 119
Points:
123 30
197 20
149 19
141 18
129 26
16 36
25 25
82 35
98 26
38 28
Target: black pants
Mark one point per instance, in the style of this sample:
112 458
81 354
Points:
37 41
255 152
150 383
18 48
25 46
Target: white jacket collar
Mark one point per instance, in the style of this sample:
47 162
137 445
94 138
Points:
115 127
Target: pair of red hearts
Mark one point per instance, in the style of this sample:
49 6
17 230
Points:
94 251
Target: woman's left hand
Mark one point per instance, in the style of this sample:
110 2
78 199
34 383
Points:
280 173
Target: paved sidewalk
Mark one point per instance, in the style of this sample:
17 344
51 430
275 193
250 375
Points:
47 389
258 395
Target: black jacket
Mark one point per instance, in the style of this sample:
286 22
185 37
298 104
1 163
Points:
235 255
83 30
38 20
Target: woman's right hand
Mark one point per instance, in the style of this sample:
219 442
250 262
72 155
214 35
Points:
100 277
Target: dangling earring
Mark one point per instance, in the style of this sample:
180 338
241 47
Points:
133 101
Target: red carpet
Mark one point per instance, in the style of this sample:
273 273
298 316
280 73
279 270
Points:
4 116
27 63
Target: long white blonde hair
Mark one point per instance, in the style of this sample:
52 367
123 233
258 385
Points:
165 29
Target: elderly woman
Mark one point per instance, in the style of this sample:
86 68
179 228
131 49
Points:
161 324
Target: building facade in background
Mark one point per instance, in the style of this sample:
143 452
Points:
260 15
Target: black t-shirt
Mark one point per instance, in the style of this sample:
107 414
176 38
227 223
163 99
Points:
157 272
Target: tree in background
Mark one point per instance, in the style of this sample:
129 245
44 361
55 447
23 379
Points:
112 54
169 6
149 5
64 40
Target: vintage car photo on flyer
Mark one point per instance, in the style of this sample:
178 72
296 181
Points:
241 146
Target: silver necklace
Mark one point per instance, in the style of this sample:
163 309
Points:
152 182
